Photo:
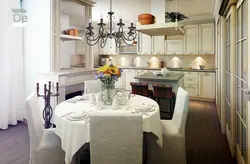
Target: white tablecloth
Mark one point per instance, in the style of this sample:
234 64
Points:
74 134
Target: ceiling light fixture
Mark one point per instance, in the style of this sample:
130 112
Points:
119 35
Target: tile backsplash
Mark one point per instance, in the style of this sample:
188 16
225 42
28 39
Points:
183 61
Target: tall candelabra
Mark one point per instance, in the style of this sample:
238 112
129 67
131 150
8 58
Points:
47 111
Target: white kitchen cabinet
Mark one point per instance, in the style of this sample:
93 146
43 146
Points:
191 39
207 85
206 38
144 44
173 46
158 44
129 77
191 83
120 82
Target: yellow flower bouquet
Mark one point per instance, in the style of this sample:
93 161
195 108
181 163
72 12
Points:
109 74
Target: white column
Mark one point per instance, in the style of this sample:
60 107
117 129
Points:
248 112
223 74
233 78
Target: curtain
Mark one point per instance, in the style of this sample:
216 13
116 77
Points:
11 66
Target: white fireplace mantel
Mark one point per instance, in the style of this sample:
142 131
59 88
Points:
69 81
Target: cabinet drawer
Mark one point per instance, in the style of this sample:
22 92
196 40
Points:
191 75
188 80
192 90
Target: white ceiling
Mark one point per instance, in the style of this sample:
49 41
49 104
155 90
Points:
130 9
191 7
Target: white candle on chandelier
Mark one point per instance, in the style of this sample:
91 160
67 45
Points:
101 20
120 17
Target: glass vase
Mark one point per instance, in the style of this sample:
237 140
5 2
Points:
108 93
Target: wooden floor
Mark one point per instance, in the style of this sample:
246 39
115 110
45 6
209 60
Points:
204 142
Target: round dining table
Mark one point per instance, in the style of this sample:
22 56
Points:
75 133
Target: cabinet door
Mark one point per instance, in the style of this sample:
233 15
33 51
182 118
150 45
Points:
206 38
158 44
173 47
191 39
129 77
207 85
144 44
120 82
191 83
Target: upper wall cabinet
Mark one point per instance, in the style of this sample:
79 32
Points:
158 44
191 39
144 44
173 47
206 38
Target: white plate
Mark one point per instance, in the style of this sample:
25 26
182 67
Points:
145 109
76 116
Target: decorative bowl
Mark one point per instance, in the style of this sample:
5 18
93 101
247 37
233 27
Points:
146 19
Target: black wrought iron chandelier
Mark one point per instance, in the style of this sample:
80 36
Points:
119 35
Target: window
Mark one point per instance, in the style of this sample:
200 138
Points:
228 74
241 69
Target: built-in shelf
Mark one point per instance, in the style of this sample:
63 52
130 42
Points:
156 54
70 37
172 28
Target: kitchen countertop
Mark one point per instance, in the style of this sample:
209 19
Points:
183 69
171 77
176 69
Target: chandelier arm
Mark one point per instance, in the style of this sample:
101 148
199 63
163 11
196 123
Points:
126 42
117 42
127 37
103 42
89 42
94 39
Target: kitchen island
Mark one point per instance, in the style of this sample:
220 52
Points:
173 79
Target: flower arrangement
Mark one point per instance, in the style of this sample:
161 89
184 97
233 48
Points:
109 74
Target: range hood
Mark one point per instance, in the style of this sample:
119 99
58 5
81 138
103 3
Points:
172 28
160 27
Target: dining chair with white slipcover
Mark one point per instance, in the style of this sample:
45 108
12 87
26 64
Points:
173 150
92 86
45 145
116 138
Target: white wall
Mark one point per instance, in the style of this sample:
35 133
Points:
129 9
190 7
37 41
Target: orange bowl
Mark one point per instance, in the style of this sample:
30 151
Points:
146 21
145 16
